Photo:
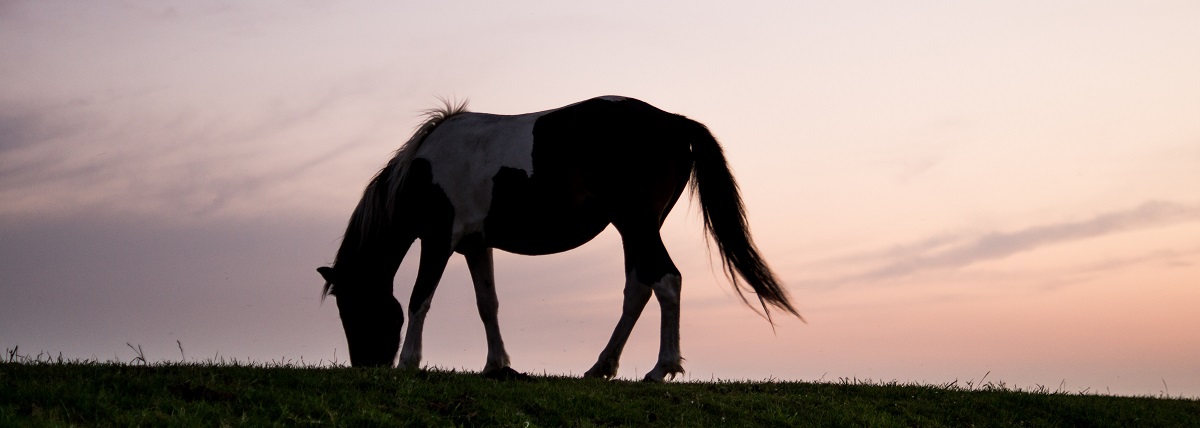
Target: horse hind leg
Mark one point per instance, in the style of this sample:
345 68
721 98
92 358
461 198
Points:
649 270
670 361
636 296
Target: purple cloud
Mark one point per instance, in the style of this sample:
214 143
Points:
949 252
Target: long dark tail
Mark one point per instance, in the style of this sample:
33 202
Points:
725 221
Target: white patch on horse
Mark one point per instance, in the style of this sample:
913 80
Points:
467 151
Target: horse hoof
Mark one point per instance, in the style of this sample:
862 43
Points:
598 374
662 375
651 379
507 373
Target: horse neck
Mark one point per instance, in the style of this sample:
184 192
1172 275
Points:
372 257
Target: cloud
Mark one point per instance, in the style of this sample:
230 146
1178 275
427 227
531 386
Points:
163 154
193 110
23 125
954 252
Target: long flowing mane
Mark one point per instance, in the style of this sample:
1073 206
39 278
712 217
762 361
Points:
377 203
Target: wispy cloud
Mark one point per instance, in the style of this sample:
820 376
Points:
23 124
953 252
149 153
191 110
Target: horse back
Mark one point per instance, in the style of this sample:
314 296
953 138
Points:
550 181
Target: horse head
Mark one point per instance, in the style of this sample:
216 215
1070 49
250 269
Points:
371 317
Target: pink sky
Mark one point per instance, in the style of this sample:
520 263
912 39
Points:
948 190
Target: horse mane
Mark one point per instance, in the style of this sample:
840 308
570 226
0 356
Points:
377 205
397 168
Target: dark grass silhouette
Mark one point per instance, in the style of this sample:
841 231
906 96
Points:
45 392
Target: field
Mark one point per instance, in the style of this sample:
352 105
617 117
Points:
235 394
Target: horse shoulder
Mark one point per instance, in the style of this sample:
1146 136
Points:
467 152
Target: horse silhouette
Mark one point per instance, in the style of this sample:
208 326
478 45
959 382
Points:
538 183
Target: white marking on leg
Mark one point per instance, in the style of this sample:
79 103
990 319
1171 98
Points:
670 361
410 354
483 277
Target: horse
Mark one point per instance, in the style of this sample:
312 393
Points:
533 184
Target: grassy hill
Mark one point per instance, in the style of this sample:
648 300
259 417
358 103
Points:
46 393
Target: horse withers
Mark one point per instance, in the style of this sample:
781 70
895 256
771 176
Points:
538 183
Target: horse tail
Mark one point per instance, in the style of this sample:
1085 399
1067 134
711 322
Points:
725 221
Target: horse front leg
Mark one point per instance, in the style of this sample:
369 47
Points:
433 264
479 261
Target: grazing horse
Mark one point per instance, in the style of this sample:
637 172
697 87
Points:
537 183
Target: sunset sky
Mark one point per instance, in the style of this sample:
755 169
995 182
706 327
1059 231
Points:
949 190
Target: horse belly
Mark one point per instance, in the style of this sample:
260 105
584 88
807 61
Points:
540 217
544 236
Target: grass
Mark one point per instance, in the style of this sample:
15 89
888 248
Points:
48 392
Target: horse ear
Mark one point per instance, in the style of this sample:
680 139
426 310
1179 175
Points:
327 273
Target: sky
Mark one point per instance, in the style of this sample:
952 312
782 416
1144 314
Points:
962 192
